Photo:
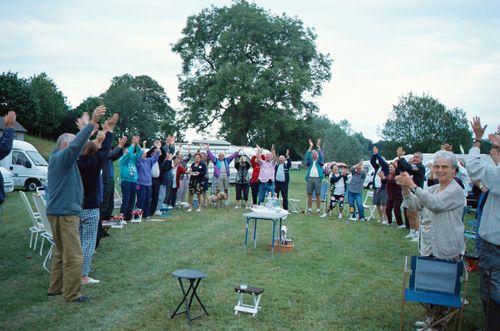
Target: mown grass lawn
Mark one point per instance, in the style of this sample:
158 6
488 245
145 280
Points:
338 277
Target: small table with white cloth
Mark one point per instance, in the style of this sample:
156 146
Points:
274 216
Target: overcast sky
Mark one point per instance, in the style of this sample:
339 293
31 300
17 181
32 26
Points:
381 49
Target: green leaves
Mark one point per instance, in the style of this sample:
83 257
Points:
247 68
423 123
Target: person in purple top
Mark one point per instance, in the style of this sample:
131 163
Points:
221 169
266 174
144 181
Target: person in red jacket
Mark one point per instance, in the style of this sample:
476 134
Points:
254 181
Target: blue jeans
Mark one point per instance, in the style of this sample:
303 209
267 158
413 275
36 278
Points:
128 198
357 198
144 200
264 189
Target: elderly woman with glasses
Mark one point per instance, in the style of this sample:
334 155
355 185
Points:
442 233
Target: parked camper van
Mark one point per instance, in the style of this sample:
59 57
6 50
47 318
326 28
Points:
28 167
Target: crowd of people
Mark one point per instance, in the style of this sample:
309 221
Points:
430 204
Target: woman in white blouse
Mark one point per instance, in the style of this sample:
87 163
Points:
442 206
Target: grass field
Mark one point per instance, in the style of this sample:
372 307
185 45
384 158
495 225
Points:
338 277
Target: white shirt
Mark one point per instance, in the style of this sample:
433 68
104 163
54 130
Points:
314 171
174 171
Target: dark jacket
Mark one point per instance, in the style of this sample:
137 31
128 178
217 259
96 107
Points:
377 162
242 175
166 171
108 172
335 178
5 149
286 168
90 169
416 170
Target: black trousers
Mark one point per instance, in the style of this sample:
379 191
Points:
108 201
155 194
173 196
241 191
106 208
283 188
255 192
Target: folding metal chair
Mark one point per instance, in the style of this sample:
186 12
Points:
40 205
370 207
37 224
436 285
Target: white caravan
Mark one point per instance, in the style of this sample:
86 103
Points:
29 168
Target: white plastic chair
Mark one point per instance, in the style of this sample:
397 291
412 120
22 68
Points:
37 223
117 200
40 205
370 207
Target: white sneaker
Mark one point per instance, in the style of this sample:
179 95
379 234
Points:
198 210
189 209
158 213
385 223
309 211
236 207
90 281
324 215
402 226
409 235
340 216
352 218
318 211
414 239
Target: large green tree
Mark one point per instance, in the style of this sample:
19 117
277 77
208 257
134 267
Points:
16 95
143 106
52 104
423 123
252 72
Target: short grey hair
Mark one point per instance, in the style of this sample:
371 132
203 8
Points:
448 156
65 138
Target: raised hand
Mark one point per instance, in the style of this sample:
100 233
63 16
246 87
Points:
318 143
97 114
477 128
400 152
110 123
10 119
157 144
495 155
272 148
122 142
83 120
495 139
287 154
100 136
311 145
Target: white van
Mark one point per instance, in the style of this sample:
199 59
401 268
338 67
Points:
27 166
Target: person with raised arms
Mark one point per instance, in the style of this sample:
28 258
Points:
64 205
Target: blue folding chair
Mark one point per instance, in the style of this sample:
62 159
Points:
437 285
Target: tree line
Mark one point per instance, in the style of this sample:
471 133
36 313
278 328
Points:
256 75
